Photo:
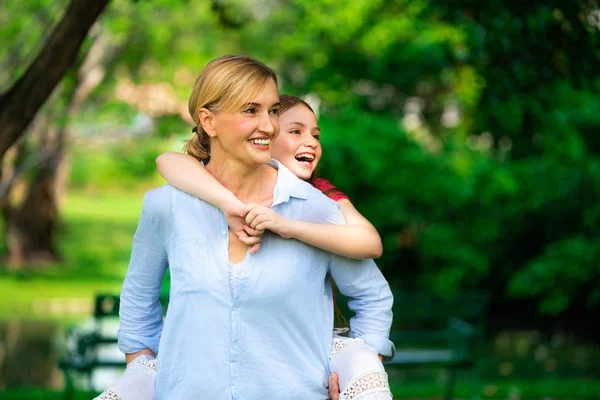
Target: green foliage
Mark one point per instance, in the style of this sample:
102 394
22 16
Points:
123 164
24 27
466 131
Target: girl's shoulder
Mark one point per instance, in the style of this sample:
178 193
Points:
328 189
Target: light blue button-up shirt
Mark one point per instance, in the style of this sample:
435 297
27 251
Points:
270 338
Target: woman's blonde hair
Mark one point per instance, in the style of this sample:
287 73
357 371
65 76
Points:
223 85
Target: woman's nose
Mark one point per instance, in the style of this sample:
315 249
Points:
266 124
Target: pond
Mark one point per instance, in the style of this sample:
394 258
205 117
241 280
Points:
30 352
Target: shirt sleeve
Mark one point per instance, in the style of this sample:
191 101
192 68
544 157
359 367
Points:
140 312
370 298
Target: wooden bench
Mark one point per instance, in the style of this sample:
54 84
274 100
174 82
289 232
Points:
432 331
94 348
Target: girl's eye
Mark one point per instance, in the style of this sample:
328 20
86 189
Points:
295 131
317 137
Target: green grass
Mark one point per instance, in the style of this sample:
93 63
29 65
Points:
541 389
95 244
535 389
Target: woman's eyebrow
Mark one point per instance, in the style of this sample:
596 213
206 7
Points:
255 104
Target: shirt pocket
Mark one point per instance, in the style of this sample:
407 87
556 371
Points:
188 264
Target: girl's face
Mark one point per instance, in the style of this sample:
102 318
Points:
246 135
298 146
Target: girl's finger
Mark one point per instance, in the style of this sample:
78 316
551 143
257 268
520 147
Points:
254 248
259 219
251 215
250 240
252 232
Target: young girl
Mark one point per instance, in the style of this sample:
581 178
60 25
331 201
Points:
357 369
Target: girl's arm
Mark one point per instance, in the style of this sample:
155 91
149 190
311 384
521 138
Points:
357 239
188 174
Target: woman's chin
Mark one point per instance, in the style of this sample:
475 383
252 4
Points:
262 159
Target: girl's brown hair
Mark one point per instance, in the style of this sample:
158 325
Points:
224 84
288 102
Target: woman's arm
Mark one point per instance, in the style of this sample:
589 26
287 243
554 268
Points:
140 311
370 298
186 173
357 239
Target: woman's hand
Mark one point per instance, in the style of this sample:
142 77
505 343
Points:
261 218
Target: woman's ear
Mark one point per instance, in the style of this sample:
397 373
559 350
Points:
207 120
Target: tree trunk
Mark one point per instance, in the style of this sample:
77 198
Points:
20 104
31 225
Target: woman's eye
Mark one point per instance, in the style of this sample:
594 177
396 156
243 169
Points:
250 110
275 111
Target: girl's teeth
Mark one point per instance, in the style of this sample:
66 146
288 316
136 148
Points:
261 142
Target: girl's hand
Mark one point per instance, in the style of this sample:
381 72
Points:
334 386
245 234
261 218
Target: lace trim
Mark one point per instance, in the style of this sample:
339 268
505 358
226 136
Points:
340 344
370 382
109 395
146 363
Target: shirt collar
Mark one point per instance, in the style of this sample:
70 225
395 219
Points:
287 184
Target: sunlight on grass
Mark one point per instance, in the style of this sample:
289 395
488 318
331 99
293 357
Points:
95 244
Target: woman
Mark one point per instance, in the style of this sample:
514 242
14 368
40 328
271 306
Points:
240 325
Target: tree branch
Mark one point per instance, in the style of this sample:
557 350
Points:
20 103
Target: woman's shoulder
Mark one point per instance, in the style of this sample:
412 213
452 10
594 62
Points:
322 209
167 196
157 202
159 196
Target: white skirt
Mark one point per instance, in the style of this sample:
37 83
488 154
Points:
360 371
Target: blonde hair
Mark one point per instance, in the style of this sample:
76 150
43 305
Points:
223 85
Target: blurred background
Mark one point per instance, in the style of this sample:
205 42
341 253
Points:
467 132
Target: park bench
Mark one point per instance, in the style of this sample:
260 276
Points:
432 331
92 349
435 332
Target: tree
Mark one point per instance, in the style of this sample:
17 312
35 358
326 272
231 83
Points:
30 225
19 105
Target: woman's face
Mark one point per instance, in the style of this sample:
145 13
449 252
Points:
247 134
298 147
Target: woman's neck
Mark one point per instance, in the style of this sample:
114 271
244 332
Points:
249 183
